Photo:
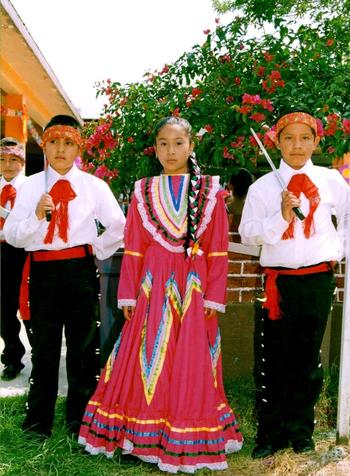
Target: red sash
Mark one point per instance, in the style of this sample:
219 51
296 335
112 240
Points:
50 255
272 297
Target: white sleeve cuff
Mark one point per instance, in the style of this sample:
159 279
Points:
126 302
214 305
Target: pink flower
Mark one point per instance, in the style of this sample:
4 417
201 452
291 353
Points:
320 131
275 75
239 143
267 140
206 32
225 58
331 150
196 92
245 109
257 117
148 151
209 128
268 57
251 99
260 71
346 126
226 154
165 69
253 141
266 104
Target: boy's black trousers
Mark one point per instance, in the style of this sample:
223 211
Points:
288 371
63 296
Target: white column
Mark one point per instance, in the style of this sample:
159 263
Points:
343 416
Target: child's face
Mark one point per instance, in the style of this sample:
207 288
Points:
173 147
10 166
297 142
61 154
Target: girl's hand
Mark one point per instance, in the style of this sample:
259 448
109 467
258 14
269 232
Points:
289 201
128 312
209 312
44 205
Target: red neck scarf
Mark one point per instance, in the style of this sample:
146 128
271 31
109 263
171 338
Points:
8 194
300 183
61 194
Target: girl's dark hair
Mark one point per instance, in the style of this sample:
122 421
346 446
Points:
63 120
194 179
173 120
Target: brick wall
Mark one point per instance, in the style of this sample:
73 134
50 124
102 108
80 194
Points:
245 281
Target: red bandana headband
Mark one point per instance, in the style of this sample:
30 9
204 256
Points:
296 118
16 150
64 132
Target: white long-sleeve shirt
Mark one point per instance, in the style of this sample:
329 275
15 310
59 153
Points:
16 183
94 201
262 222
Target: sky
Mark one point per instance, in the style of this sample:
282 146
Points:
85 41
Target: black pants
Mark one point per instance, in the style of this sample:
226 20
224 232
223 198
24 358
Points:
12 261
63 294
288 370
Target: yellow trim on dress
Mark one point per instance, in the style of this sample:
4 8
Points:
133 253
163 421
217 253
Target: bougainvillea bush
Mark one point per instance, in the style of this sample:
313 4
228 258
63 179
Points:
234 81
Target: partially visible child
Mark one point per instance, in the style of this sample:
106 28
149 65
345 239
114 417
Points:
63 286
238 187
298 257
161 395
12 161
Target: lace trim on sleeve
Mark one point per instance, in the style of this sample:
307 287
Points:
214 305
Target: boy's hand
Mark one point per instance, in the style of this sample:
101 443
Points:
289 201
128 312
209 313
44 205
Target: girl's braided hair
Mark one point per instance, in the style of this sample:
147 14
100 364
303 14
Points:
194 181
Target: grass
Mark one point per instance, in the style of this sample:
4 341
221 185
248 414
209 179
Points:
62 456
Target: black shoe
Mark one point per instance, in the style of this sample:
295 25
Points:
304 446
35 431
262 451
73 429
10 372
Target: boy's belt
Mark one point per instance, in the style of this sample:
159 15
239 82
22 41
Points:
272 297
45 255
67 253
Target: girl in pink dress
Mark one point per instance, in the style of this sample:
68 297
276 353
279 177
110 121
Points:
161 395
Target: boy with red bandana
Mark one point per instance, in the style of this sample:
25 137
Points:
12 160
63 286
298 257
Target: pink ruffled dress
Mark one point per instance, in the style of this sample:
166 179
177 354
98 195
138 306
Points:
161 396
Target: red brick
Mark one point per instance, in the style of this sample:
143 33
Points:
244 282
233 296
340 295
235 267
252 267
248 296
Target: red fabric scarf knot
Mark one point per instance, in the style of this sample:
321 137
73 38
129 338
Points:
8 194
300 183
61 194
